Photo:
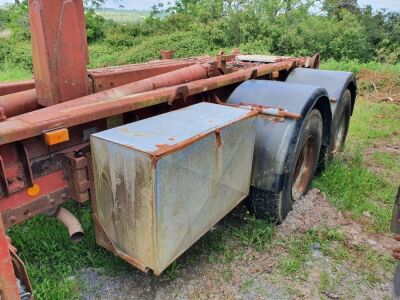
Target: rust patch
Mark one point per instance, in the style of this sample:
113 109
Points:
154 160
123 130
163 147
167 149
17 215
108 244
218 138
8 281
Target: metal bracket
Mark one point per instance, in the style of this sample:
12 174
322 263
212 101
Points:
222 60
23 175
78 177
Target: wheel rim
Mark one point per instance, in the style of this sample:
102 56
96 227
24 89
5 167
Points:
304 167
339 135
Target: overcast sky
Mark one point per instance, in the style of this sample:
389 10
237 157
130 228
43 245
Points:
146 4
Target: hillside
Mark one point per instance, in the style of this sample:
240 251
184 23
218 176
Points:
123 16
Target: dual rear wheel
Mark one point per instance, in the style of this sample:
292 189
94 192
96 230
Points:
275 206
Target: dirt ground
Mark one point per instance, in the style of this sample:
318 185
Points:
379 86
254 275
390 147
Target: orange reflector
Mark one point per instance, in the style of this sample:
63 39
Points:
56 136
34 190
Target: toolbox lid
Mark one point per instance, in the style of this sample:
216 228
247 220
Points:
155 135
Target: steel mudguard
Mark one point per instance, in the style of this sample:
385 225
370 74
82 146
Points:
276 140
335 82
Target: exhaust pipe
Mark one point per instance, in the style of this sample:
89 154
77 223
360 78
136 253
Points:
72 223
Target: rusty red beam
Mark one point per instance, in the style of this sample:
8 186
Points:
190 73
14 104
117 75
59 50
114 76
19 103
8 281
90 108
110 77
18 207
16 86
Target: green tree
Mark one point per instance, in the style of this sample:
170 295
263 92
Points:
94 3
96 26
19 20
334 8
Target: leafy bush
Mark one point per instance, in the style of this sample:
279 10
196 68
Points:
95 26
19 21
14 53
148 48
4 18
196 27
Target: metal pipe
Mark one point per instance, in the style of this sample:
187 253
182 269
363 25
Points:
15 86
26 101
262 109
19 103
270 111
72 223
116 74
90 108
180 76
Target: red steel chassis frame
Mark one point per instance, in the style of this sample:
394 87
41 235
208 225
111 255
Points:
104 98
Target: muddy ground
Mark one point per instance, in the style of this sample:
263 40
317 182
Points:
255 275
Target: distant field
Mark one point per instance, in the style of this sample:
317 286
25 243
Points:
123 16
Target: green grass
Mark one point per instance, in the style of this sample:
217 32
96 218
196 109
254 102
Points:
53 261
355 66
348 182
299 248
352 187
390 162
370 265
172 272
325 282
373 121
9 73
247 285
254 233
16 61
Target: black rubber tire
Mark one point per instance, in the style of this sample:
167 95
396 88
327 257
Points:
275 206
396 283
340 124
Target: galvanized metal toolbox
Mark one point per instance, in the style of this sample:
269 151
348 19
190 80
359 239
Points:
162 182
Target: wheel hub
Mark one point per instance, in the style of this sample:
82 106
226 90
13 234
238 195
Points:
339 135
303 170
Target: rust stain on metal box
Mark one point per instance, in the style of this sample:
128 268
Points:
155 196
